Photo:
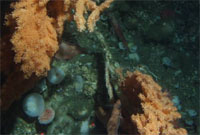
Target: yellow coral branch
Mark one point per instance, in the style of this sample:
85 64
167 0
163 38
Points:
79 18
94 16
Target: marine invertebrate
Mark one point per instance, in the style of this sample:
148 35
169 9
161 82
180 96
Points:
47 116
14 84
150 109
35 27
81 7
33 105
114 121
144 109
59 11
55 75
35 39
67 51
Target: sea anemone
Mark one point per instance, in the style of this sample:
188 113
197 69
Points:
33 105
55 75
47 116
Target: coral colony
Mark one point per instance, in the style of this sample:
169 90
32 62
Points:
38 53
32 24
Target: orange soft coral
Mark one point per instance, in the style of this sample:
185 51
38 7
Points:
81 8
35 39
38 25
150 110
35 26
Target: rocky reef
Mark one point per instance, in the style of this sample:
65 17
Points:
130 69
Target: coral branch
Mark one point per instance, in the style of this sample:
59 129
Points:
114 121
93 17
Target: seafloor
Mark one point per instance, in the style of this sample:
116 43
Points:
159 38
